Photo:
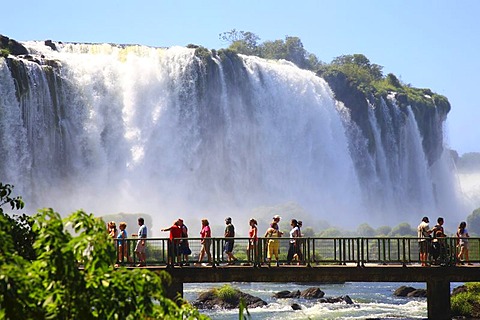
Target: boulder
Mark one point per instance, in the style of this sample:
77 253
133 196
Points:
49 43
459 289
296 306
417 293
210 300
403 291
287 294
340 299
312 293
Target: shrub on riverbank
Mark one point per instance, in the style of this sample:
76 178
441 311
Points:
466 303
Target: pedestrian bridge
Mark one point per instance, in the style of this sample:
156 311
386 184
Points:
326 260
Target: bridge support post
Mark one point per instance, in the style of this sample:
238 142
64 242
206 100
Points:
174 290
438 299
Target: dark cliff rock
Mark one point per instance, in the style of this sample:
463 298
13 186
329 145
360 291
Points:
430 110
13 46
49 43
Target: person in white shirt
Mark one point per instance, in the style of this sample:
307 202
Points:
423 240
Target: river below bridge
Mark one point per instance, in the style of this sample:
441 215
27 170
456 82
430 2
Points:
372 301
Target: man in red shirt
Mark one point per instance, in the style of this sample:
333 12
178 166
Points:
174 243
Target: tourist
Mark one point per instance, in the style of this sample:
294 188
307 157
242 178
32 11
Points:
462 243
112 229
276 221
293 245
205 235
184 245
229 241
439 247
438 227
122 243
174 243
299 255
273 245
424 240
252 243
141 243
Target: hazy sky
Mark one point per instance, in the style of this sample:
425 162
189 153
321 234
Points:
428 43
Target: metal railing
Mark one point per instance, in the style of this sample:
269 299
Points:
359 251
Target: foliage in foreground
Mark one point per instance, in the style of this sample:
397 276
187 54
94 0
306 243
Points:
52 286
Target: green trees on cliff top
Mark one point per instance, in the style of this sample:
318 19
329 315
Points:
357 68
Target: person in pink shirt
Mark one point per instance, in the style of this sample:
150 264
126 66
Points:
252 242
205 235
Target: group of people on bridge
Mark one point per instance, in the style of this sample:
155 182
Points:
433 247
179 248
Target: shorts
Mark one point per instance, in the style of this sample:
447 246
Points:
273 246
206 245
174 250
140 248
229 246
423 246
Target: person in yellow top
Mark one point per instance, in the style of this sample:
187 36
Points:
273 243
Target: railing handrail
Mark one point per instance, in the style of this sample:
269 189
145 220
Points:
402 250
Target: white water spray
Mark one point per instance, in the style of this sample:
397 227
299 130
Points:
137 129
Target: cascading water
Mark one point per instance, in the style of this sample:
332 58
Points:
161 131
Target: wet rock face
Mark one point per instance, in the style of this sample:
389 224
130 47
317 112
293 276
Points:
429 116
13 46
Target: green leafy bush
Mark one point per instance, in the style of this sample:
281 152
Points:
71 275
227 293
467 304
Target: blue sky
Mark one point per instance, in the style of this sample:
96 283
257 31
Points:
426 43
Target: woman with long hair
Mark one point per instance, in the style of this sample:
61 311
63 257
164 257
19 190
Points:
462 243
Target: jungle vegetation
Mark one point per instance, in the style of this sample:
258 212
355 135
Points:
357 68
54 268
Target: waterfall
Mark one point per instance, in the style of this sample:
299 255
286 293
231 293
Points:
165 132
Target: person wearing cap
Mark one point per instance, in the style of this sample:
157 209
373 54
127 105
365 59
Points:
423 237
229 242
